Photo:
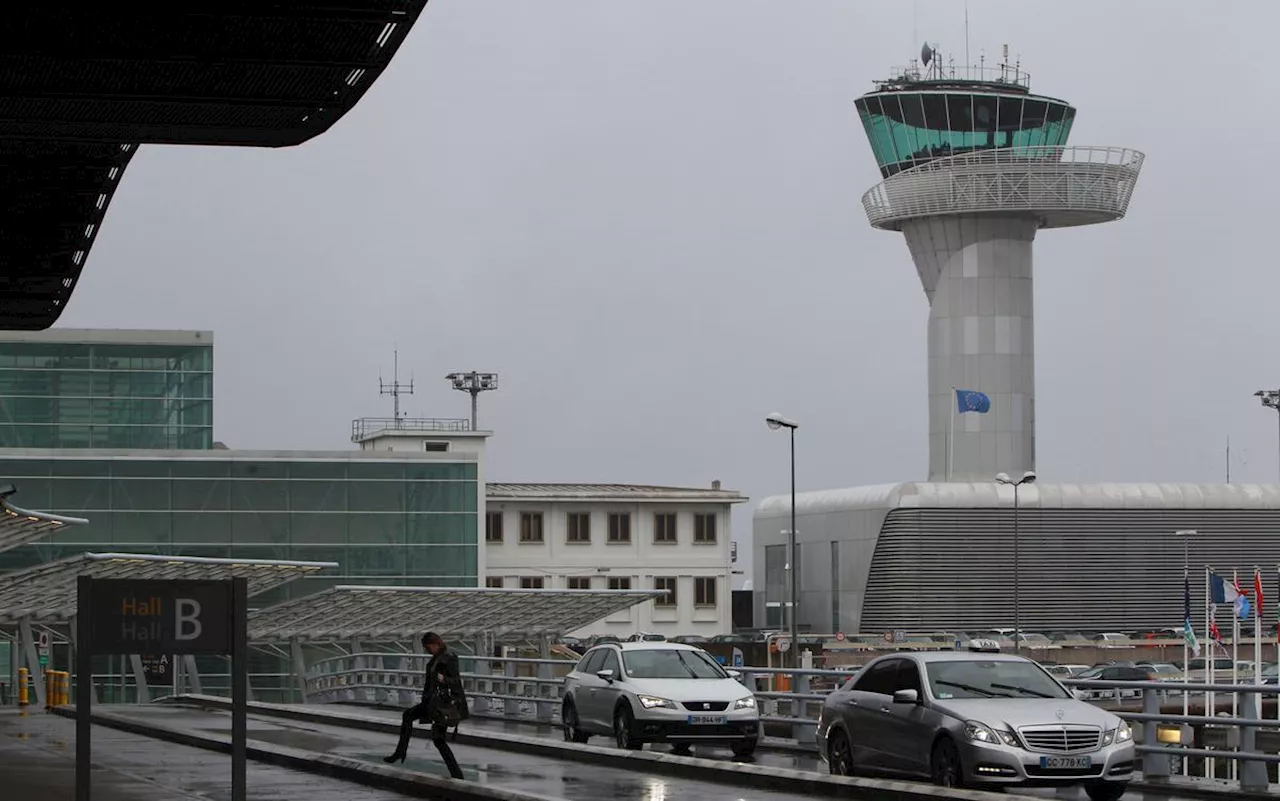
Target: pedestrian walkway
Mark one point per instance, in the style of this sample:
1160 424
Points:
37 763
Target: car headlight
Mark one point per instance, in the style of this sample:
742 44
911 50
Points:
1121 734
745 703
653 702
982 733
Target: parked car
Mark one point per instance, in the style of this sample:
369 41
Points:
973 718
651 692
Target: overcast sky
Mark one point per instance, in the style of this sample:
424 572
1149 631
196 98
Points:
645 216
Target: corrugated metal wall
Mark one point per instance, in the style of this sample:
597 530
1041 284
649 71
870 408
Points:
1096 569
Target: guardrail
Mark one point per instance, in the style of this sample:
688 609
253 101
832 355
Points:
1244 748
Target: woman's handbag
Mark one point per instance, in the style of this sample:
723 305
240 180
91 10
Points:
445 709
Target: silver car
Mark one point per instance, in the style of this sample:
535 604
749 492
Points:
965 718
651 692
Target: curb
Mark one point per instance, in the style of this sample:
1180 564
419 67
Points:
692 768
412 783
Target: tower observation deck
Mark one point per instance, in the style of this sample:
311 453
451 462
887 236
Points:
973 166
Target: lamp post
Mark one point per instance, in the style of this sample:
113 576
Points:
1028 477
473 383
777 421
1270 399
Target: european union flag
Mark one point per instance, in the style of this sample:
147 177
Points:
968 400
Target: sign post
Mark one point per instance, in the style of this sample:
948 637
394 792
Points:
175 617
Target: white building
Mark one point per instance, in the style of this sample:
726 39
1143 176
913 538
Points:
618 536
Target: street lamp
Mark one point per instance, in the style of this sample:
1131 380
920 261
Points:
1270 399
473 383
1028 477
775 422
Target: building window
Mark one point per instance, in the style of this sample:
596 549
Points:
664 527
667 583
704 591
435 445
619 527
531 583
704 528
493 582
620 582
579 582
579 527
531 526
493 527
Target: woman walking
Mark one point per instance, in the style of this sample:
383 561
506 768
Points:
443 704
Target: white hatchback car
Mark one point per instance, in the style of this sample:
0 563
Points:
658 692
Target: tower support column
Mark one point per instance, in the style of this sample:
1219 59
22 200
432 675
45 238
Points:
976 271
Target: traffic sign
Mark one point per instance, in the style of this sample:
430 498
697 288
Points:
839 636
784 644
899 635
888 636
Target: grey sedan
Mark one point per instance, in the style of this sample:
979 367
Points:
966 718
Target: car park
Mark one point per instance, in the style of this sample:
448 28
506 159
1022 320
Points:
971 718
658 692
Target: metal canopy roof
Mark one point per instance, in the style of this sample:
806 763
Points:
402 613
20 526
53 198
47 593
202 72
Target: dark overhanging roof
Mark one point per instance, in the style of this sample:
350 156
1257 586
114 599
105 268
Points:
53 198
268 73
82 85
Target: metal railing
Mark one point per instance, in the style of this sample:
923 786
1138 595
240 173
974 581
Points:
790 701
365 427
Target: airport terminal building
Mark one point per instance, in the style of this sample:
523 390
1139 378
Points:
932 557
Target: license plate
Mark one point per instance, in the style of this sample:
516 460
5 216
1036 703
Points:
1066 762
706 720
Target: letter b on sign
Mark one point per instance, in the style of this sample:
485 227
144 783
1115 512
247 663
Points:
187 626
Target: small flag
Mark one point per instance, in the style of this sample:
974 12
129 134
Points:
1188 631
969 400
1243 607
1221 592
1257 591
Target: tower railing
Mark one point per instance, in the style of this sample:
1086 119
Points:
1068 185
1009 74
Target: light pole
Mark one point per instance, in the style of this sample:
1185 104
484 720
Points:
473 383
1270 399
1028 477
776 421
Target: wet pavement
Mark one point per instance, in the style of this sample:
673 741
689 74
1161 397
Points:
37 763
529 774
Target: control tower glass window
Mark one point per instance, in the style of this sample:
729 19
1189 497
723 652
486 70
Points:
910 128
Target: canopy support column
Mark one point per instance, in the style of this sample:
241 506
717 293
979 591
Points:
193 674
299 662
140 679
27 647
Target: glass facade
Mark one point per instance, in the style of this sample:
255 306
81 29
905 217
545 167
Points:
66 394
909 128
392 520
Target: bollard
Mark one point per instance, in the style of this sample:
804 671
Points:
22 687
1252 774
803 733
64 688
1154 766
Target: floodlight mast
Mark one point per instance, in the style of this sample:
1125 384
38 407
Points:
1270 398
473 383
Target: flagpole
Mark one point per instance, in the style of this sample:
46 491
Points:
1209 707
1235 658
1257 630
951 434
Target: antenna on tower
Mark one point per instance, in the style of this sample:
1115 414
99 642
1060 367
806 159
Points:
395 389
967 63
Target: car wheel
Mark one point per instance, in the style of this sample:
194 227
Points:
569 721
745 749
944 764
623 729
1105 791
839 754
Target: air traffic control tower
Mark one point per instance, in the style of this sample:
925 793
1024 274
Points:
974 165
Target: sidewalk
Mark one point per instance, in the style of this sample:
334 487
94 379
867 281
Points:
37 763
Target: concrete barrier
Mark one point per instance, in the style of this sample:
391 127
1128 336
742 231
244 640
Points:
731 773
411 783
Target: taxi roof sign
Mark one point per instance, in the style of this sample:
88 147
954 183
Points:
984 646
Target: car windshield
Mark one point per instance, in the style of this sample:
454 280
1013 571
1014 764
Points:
670 663
990 678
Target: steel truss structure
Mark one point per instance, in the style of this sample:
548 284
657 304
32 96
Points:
22 526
